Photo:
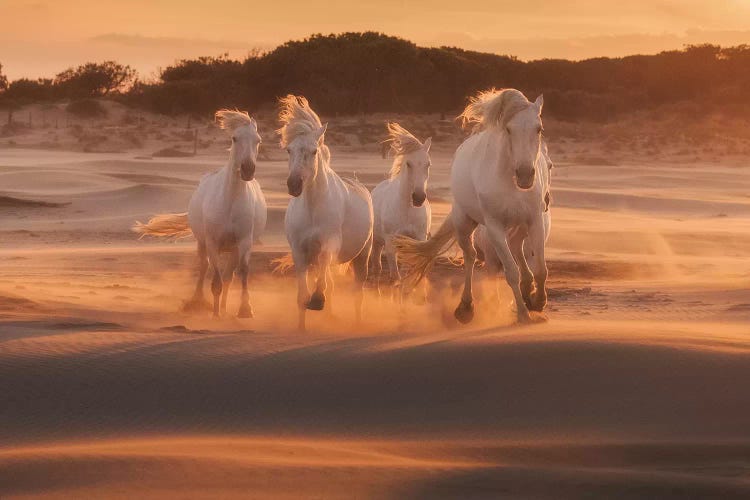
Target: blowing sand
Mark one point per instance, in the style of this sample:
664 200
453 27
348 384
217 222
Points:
635 388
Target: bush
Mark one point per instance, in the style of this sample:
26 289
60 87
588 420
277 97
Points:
358 73
95 79
3 79
25 91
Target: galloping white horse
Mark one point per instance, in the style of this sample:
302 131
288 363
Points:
400 202
329 220
516 237
227 213
493 181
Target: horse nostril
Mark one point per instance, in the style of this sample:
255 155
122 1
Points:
294 185
247 169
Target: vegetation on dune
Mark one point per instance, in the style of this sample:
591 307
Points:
355 73
3 79
94 79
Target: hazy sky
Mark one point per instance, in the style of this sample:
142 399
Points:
41 37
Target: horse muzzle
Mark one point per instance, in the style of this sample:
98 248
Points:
417 199
294 185
247 171
525 178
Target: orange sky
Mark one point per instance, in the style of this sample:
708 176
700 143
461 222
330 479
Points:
42 37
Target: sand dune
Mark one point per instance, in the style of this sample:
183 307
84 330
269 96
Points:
633 389
241 467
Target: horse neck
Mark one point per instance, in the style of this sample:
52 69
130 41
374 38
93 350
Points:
405 187
504 159
232 181
316 189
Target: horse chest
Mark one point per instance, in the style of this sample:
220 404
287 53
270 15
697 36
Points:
231 223
510 210
408 222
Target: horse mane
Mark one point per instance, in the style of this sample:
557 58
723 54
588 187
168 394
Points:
297 118
493 108
232 119
401 142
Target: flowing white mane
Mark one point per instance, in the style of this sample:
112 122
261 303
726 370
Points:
229 119
493 108
401 142
297 118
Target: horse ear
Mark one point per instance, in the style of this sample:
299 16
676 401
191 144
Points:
252 120
539 102
322 131
427 144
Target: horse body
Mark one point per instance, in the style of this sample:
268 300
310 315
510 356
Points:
226 214
516 236
400 202
494 182
227 209
329 220
327 215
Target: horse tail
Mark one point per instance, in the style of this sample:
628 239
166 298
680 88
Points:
282 264
173 226
421 255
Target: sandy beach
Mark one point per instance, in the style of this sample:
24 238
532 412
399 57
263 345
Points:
636 387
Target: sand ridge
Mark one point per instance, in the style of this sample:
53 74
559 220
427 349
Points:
633 389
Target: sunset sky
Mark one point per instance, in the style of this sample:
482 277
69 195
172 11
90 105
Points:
41 38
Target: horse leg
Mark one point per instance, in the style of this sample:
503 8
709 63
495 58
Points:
244 252
464 228
497 236
360 264
395 275
516 245
331 286
198 301
303 293
216 282
318 299
535 254
227 278
376 260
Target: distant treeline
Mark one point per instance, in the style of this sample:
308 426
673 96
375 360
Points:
355 73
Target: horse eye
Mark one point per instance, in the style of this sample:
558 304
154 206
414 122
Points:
408 164
507 129
234 139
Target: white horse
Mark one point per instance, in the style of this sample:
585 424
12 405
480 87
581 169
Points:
516 237
493 180
329 220
227 213
400 202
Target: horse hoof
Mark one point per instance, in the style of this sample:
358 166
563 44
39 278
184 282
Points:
317 302
246 311
524 318
538 303
537 306
529 302
531 318
464 313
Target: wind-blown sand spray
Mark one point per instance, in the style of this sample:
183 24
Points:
633 389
